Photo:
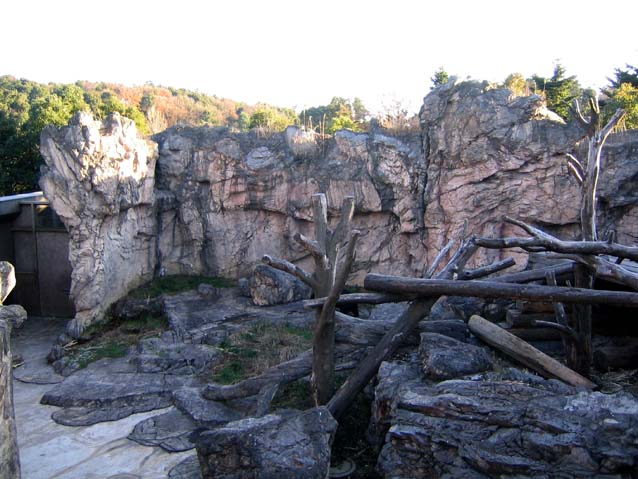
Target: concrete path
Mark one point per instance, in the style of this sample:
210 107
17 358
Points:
49 450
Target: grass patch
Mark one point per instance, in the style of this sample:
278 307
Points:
250 352
176 284
112 338
295 395
106 349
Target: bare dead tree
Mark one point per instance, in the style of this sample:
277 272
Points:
328 280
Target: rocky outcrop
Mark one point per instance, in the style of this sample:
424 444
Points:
490 154
220 200
9 457
99 177
7 279
287 444
226 200
270 286
510 425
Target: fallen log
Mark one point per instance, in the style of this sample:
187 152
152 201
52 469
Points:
282 373
487 270
525 353
356 298
492 289
536 274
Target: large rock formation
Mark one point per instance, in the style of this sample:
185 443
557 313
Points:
226 200
9 457
221 200
508 424
490 154
99 177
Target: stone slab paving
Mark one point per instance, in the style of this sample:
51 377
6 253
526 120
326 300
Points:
49 450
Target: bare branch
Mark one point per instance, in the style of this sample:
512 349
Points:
356 298
439 257
551 243
288 267
579 116
314 248
320 217
575 174
565 331
576 167
457 262
343 227
487 269
604 133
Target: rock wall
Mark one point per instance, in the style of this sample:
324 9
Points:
9 458
10 317
99 178
226 200
219 200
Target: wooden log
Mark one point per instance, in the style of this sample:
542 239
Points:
282 373
357 298
487 270
323 357
550 243
525 353
493 289
583 322
560 270
616 357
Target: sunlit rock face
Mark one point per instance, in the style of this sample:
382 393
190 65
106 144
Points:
217 201
99 177
226 200
490 154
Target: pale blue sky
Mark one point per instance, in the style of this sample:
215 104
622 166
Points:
301 53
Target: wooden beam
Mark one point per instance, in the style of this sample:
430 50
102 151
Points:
494 289
525 353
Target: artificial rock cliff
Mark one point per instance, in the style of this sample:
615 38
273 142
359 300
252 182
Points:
217 201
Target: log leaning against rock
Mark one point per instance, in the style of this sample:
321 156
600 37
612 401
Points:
525 353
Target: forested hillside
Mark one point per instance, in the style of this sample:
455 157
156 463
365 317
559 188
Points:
26 107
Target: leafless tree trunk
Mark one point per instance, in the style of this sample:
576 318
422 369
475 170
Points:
328 280
587 174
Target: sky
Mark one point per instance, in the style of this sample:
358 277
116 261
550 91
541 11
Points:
300 54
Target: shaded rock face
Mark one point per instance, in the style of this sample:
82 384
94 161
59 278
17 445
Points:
505 425
218 201
9 457
284 445
443 357
99 177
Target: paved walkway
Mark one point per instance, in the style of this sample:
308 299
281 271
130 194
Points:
49 450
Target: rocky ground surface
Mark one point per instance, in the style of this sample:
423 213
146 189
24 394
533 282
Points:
450 407
50 450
